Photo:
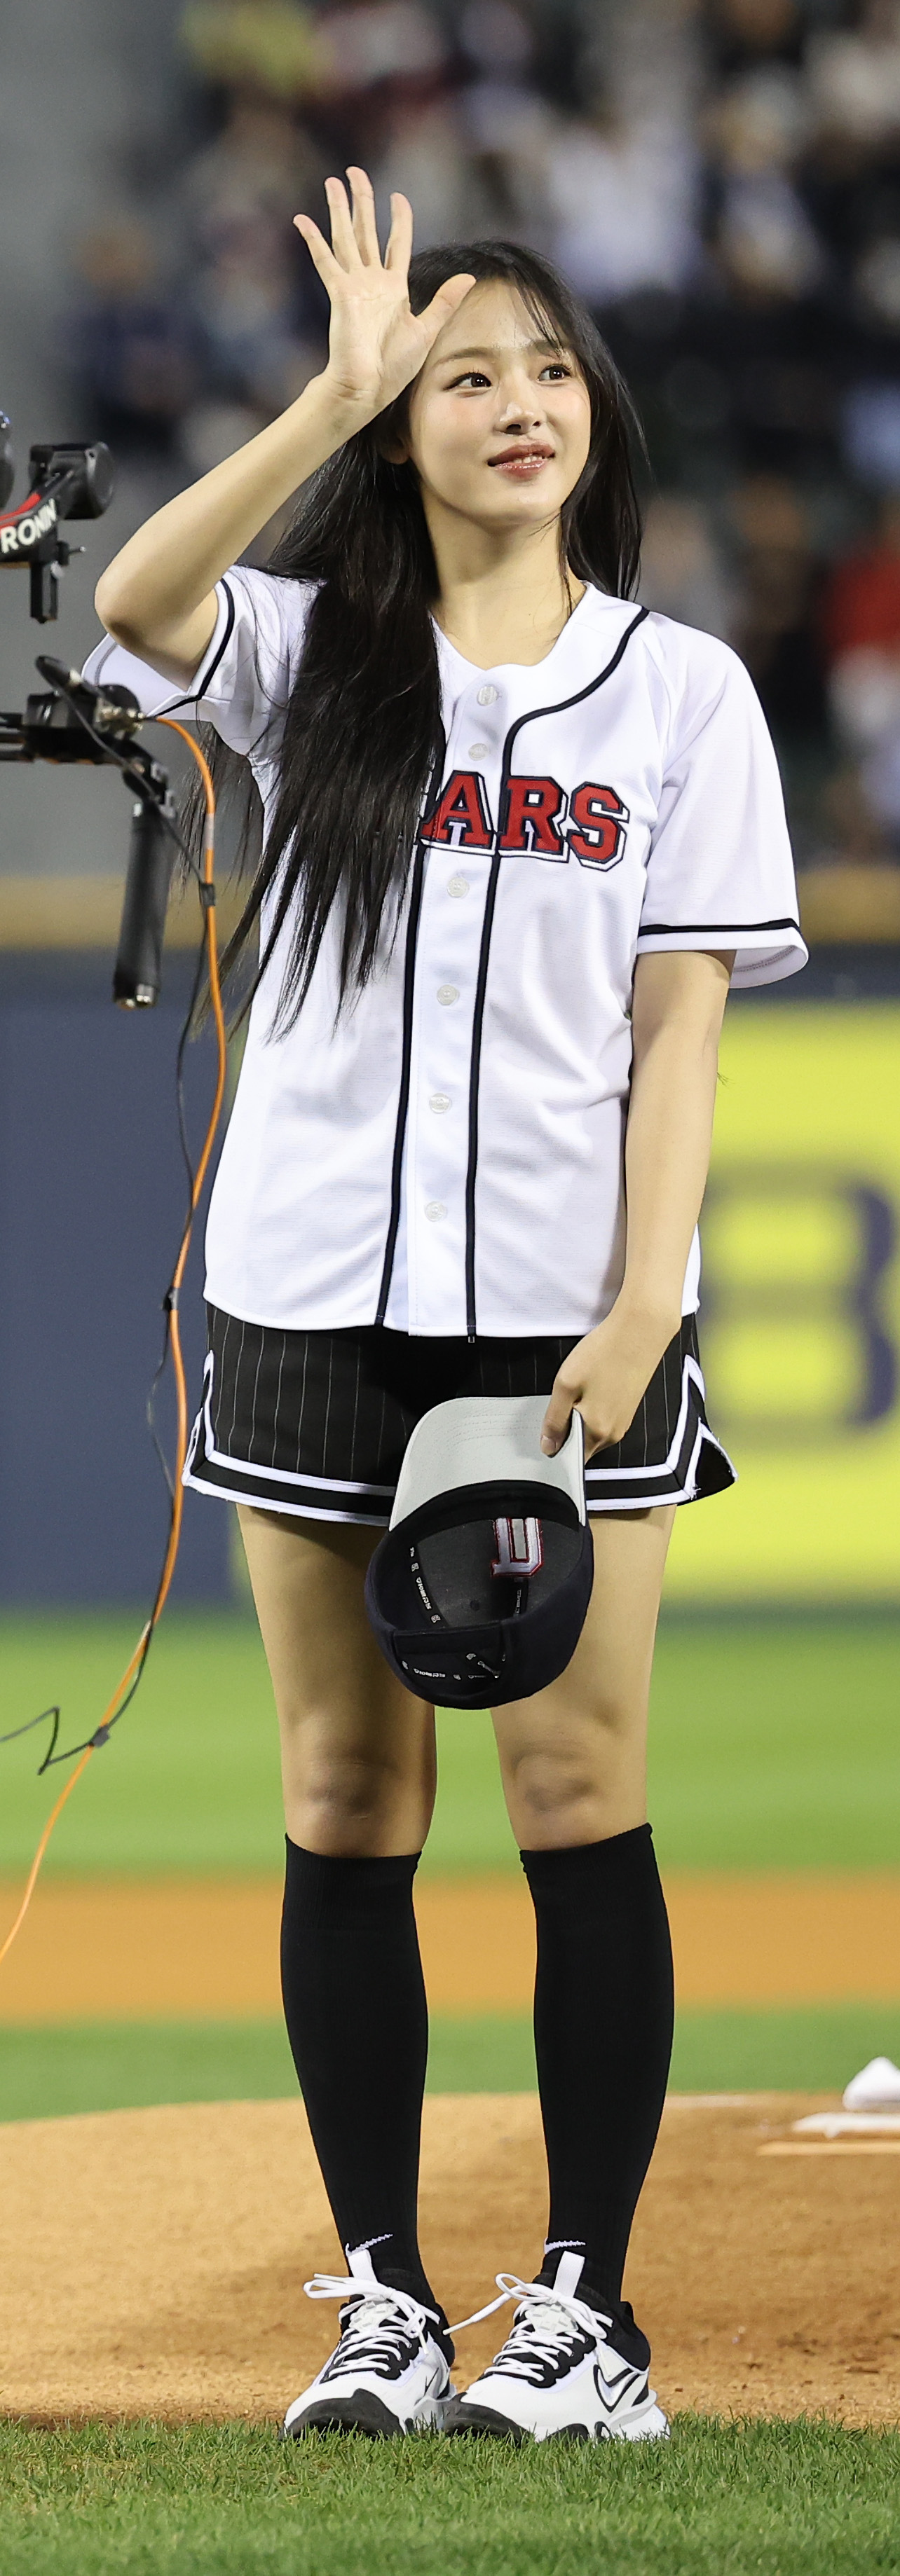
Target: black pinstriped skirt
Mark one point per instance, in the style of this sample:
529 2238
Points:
317 1423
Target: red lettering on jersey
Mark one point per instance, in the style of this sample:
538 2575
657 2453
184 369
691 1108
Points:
460 819
600 818
533 807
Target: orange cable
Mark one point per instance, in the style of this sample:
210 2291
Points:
42 1846
174 1335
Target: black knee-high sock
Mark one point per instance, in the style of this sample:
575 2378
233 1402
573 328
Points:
603 2013
354 2003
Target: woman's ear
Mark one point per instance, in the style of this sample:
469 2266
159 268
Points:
392 433
394 448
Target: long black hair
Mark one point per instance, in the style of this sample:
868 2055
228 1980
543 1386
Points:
362 723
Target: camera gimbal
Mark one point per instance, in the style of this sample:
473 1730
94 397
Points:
71 721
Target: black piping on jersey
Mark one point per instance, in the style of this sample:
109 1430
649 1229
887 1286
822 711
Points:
409 986
673 929
191 696
191 699
532 716
475 1059
222 644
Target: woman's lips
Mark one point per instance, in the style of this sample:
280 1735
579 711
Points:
522 463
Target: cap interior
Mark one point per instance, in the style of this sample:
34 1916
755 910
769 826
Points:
487 1570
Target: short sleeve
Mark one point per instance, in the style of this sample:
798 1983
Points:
245 678
720 872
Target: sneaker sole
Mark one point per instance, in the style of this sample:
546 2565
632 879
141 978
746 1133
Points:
483 2420
363 2414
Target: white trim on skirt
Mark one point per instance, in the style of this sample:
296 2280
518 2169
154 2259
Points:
677 1478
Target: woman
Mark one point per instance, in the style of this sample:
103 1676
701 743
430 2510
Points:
518 836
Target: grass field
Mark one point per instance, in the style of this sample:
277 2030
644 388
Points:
50 2072
801 2499
773 1745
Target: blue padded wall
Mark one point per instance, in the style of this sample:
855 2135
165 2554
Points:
92 1197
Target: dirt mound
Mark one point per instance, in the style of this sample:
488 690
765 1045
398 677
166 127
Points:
152 2262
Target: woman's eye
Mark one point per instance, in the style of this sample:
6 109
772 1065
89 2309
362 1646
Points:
557 367
472 377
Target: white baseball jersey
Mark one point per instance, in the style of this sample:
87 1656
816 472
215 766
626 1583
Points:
445 1155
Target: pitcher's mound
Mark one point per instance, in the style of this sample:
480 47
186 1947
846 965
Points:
152 2262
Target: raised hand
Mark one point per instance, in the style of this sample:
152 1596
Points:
376 343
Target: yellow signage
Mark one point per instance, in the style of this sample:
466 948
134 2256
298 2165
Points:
800 1311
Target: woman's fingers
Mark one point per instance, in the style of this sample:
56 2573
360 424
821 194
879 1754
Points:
365 229
343 238
444 304
558 1417
400 237
322 257
376 344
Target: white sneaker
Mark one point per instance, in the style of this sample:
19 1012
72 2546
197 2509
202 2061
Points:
558 2373
388 2374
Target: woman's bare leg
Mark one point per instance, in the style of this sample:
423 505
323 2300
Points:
357 1750
574 1758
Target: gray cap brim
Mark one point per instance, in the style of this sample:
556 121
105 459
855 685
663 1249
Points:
487 1440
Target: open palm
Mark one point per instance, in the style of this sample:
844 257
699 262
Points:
376 344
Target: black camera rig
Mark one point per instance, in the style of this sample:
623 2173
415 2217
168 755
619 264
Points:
71 720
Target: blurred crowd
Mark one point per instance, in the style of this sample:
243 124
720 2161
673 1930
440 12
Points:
721 181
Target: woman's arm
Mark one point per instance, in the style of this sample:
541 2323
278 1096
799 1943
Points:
157 595
677 1013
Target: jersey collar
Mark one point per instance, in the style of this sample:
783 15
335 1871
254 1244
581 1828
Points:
593 628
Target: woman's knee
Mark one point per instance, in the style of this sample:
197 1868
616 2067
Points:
354 1786
576 1777
349 1795
574 1757
546 1799
357 1753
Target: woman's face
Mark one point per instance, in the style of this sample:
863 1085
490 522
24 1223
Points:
499 418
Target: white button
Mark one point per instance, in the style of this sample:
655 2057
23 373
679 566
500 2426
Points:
448 992
479 750
458 886
440 1100
488 695
435 1209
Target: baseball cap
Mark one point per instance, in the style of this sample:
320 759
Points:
478 1592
